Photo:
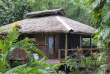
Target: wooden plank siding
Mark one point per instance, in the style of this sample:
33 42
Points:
19 54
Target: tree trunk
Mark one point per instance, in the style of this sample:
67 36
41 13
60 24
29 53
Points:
107 71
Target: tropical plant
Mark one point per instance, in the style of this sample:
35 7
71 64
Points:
72 64
10 44
100 10
86 61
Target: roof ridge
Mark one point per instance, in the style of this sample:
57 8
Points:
68 27
46 13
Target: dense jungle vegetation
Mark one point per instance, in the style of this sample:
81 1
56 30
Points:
95 13
14 10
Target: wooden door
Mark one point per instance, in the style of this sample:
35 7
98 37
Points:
51 48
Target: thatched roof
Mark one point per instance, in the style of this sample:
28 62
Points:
57 23
46 13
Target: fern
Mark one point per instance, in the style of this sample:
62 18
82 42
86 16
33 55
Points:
35 70
57 65
13 35
4 29
15 69
40 63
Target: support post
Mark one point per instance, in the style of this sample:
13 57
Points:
65 46
80 42
91 43
59 54
54 46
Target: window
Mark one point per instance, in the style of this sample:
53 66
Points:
86 42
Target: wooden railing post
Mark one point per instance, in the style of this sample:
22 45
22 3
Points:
65 46
65 54
59 54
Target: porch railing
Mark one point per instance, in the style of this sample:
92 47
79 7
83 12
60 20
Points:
66 51
59 52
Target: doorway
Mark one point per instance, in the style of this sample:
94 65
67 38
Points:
51 47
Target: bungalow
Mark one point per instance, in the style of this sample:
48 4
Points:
56 35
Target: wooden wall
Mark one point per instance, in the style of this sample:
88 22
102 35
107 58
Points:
40 38
40 43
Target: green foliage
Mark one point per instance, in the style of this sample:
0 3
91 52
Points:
72 63
57 65
4 29
12 10
100 10
1 66
86 61
7 44
33 66
12 36
15 69
101 57
86 42
15 10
